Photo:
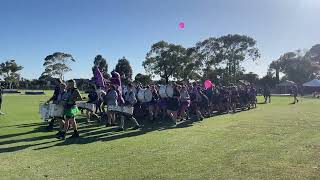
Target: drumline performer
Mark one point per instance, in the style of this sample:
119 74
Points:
185 102
92 99
110 99
174 104
54 99
130 100
100 92
71 109
61 100
153 104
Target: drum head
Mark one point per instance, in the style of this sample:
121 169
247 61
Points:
135 91
144 95
169 90
141 95
162 91
124 89
148 95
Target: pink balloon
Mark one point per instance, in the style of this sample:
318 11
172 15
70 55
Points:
181 25
208 84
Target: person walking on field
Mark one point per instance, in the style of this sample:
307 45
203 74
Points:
71 110
266 94
1 113
295 94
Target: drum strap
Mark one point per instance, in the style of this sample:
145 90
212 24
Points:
166 91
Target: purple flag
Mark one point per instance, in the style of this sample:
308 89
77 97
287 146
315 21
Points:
98 77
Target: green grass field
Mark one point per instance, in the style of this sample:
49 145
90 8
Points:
274 141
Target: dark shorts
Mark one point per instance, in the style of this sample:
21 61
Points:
173 104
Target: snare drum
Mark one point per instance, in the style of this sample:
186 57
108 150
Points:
88 106
44 111
166 91
114 108
127 110
56 110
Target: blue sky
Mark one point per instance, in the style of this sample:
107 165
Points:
32 29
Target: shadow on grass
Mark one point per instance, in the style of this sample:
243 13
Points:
89 133
23 125
109 134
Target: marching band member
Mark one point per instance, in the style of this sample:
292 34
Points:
92 98
198 102
130 100
110 99
173 104
152 106
61 100
204 103
185 102
54 99
100 92
71 109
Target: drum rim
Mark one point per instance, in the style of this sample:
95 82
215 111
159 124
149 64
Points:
144 95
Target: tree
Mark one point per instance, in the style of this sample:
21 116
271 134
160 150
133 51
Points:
269 80
314 54
190 66
250 77
297 66
275 66
123 67
56 65
10 72
102 64
166 60
143 79
228 51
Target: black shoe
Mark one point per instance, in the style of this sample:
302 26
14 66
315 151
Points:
119 130
62 136
59 133
74 135
108 125
136 127
49 128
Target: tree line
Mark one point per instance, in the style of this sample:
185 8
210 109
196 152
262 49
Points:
216 58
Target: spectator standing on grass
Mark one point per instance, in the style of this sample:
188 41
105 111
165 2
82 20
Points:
267 94
295 94
1 113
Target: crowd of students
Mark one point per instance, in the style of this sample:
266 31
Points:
188 102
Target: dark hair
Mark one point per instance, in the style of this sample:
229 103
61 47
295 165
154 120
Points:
59 80
113 87
72 81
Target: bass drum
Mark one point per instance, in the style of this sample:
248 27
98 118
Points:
144 95
166 91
